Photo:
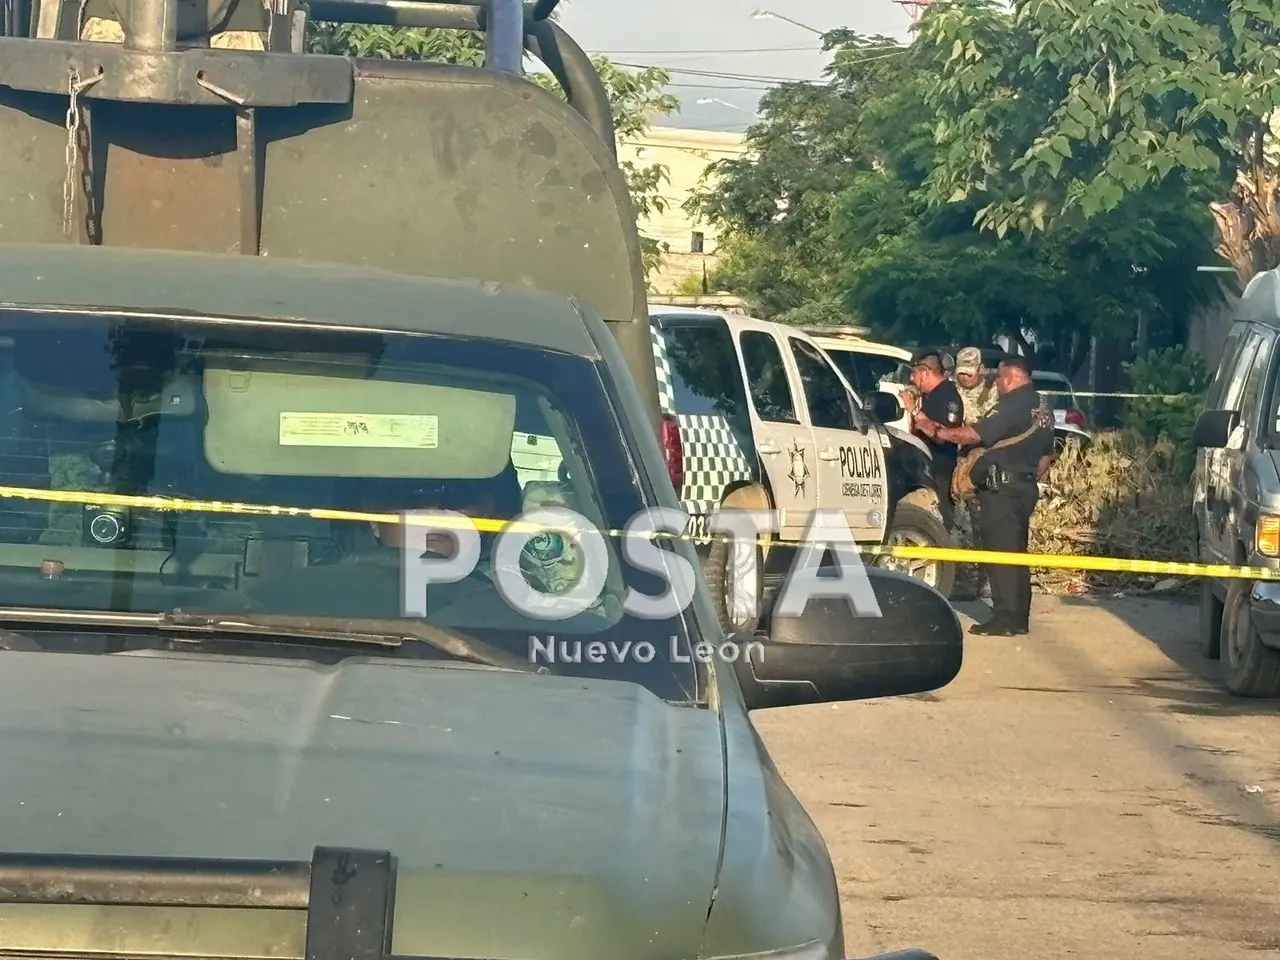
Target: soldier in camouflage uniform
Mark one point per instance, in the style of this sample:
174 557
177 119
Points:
976 389
979 395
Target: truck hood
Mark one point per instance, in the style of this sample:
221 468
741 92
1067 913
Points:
530 816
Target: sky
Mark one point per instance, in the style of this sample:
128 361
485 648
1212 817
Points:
722 38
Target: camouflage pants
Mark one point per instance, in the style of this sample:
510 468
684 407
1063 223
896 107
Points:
966 535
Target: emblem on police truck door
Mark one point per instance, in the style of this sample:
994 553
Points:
799 469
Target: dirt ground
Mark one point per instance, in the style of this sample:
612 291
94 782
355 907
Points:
1087 791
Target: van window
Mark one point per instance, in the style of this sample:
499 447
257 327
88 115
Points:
1252 393
767 376
1230 349
1244 365
704 372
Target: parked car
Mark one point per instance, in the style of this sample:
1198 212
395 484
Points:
746 401
1236 496
223 731
1069 422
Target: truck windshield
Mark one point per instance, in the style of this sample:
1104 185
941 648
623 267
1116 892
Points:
864 370
286 457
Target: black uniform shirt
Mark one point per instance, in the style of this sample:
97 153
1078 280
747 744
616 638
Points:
943 405
1013 413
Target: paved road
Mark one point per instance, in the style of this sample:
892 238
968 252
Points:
1081 792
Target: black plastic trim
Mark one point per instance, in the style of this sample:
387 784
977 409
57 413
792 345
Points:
354 887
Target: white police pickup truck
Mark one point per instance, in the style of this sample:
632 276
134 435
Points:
756 415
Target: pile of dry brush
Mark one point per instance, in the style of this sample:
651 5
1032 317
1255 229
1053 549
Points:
1122 498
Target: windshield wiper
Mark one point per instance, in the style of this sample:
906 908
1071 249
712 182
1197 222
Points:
373 632
370 632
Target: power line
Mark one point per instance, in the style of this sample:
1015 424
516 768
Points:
663 53
681 85
758 81
867 48
718 75
722 128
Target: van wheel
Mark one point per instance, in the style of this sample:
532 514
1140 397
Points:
1251 670
726 571
1210 621
914 526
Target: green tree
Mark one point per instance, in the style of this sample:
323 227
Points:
1060 111
775 204
638 97
832 217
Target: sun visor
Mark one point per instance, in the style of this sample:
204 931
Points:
289 424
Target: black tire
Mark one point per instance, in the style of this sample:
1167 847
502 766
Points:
1249 668
1210 621
924 528
717 568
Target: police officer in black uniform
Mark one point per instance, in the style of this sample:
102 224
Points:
940 403
1007 486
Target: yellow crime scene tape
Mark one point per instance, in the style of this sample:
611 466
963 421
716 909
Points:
1072 562
489 525
1124 396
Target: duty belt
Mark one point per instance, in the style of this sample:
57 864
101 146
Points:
994 477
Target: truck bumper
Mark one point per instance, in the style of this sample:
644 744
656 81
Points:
1264 609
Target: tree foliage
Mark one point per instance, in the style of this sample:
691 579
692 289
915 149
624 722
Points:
638 97
1061 110
843 211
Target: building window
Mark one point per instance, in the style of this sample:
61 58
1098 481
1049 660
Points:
696 242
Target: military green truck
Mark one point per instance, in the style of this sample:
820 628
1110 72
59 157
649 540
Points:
235 345
201 126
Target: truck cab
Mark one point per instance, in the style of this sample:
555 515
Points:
161 124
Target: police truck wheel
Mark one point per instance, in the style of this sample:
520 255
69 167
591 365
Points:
726 575
1210 621
1250 669
726 568
914 526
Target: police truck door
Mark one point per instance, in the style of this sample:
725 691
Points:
851 475
783 439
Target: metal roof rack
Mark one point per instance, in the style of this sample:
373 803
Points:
348 894
155 63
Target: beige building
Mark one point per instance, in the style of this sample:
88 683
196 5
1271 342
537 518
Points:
691 245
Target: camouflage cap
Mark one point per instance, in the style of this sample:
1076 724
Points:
969 360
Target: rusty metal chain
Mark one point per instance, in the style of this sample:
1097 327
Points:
86 184
75 87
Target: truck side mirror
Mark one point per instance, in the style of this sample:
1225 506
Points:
882 405
1213 429
828 654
